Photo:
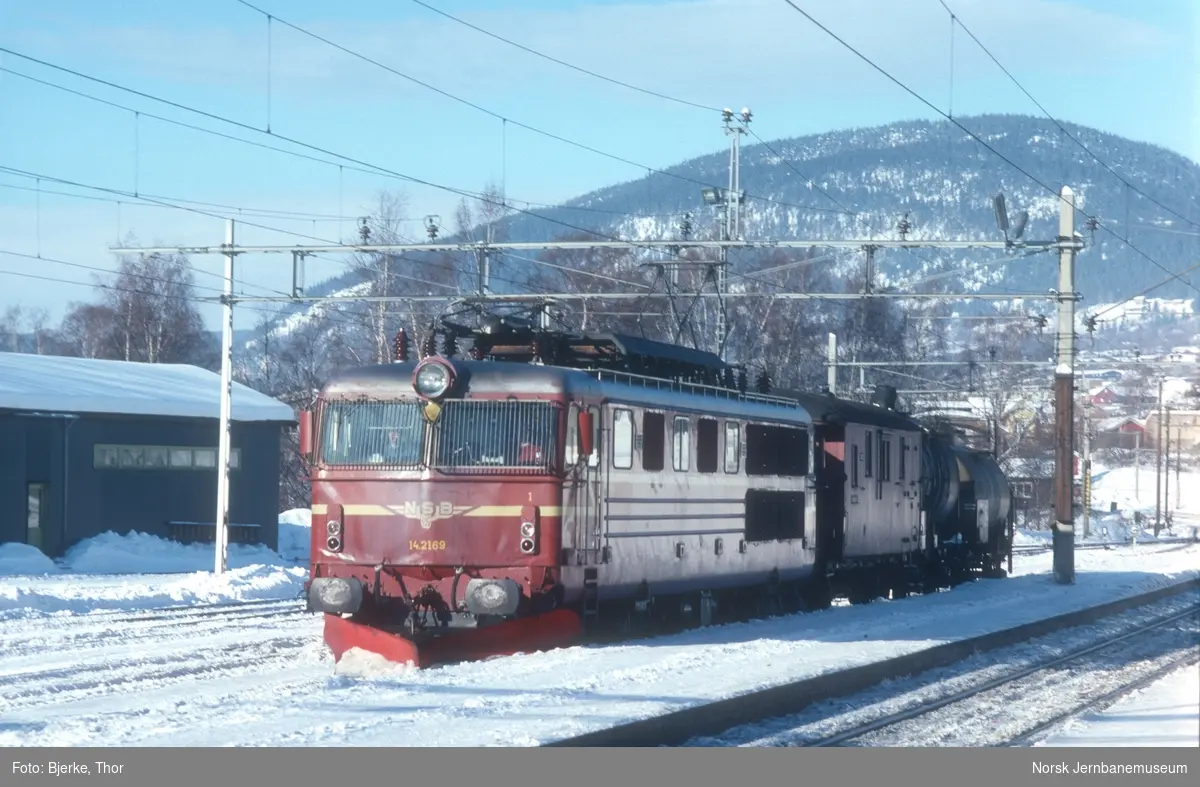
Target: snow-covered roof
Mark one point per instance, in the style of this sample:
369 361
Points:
52 383
1109 424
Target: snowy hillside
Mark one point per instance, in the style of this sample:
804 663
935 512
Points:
942 178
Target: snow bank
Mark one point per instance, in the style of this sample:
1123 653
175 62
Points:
24 559
294 529
139 571
1023 538
139 553
80 595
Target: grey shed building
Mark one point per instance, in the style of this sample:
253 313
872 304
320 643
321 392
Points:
90 446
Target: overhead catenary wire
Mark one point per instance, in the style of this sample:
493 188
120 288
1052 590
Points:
505 119
1062 128
325 151
982 142
319 149
295 154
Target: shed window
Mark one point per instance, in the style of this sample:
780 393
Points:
159 457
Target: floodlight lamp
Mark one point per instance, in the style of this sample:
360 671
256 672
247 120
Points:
712 195
746 114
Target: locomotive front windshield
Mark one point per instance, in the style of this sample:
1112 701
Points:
468 435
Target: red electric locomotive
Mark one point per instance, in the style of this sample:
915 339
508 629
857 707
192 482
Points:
508 498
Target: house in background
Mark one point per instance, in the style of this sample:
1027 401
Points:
1032 482
1124 432
93 445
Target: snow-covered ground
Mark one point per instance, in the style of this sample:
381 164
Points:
265 679
138 571
1166 713
993 698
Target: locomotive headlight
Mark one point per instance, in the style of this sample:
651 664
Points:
432 380
527 530
490 597
499 596
333 527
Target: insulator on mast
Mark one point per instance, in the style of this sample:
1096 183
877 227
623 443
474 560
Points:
400 348
429 345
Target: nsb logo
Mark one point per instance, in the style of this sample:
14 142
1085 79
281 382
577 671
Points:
429 512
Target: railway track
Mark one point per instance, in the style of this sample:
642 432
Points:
24 633
1037 549
1030 736
825 696
969 699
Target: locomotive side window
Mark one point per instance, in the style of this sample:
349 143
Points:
571 443
622 439
854 466
776 450
654 441
594 459
867 463
903 459
681 458
885 457
706 445
733 447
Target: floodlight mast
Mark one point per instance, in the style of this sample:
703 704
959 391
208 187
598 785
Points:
731 225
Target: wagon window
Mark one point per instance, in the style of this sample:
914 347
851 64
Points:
654 441
681 458
622 439
706 445
733 447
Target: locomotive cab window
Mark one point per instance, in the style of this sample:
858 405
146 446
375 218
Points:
706 445
654 441
622 439
681 458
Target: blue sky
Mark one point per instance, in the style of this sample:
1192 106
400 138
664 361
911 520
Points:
1124 66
